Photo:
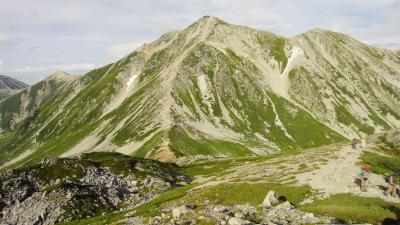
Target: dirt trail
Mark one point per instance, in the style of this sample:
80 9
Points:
339 174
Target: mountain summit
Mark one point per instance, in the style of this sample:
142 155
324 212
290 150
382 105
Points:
212 89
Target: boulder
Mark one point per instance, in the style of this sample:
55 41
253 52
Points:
310 218
271 199
246 210
286 206
238 221
220 208
179 211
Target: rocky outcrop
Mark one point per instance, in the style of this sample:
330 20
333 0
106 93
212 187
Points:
284 213
59 190
271 199
278 211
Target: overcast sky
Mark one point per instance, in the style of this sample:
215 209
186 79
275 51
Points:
38 37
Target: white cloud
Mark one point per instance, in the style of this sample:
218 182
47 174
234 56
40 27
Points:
389 33
1 62
120 50
6 41
63 67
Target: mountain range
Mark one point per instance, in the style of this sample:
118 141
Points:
212 89
9 86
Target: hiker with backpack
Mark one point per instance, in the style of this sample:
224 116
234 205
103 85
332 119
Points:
392 185
354 144
364 177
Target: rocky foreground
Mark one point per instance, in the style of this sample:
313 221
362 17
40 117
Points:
70 189
274 210
58 190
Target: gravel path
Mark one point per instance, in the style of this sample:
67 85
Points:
339 175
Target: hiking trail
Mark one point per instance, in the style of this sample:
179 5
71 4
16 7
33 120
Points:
339 174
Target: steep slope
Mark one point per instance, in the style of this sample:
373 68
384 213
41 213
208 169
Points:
24 104
11 83
351 87
217 89
20 111
10 86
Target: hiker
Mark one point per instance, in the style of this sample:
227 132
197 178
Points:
363 144
364 177
354 143
392 185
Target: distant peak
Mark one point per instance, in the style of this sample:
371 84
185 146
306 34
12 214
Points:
5 77
210 18
324 33
61 75
318 30
209 21
7 82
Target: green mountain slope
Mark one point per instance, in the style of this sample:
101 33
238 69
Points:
213 89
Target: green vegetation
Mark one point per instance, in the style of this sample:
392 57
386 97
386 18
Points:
149 209
86 206
382 164
185 143
354 209
116 162
216 167
275 46
306 131
122 164
149 145
59 170
243 193
345 117
388 145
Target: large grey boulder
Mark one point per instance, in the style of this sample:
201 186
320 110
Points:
286 206
179 211
271 199
238 221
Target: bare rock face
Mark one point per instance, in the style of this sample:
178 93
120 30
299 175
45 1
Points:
58 190
37 209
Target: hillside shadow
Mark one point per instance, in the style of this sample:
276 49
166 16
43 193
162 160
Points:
390 221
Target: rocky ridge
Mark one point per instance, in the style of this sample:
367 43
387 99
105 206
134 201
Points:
58 190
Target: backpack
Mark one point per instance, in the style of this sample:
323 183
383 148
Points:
387 178
394 177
